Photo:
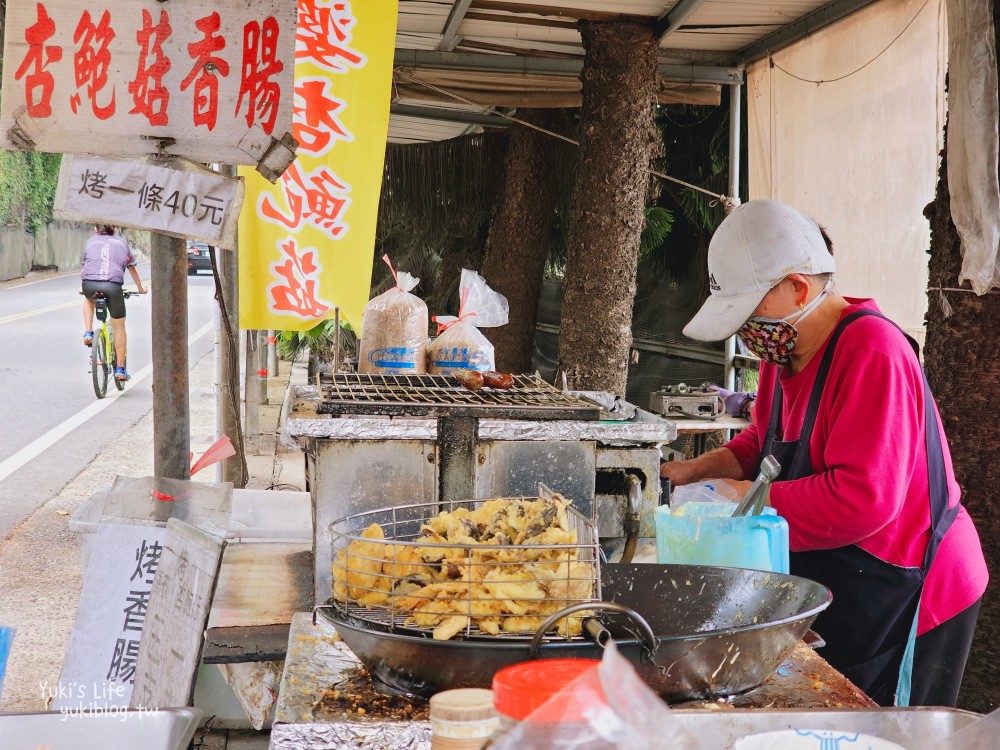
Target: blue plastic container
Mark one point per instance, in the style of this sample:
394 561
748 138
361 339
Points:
6 637
707 534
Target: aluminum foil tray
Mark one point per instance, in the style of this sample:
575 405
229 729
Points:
317 659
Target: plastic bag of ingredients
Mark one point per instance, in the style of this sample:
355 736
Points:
709 491
608 707
394 330
460 345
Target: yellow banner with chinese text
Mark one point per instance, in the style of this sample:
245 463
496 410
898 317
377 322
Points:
306 243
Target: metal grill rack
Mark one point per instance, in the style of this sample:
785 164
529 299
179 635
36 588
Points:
401 526
443 396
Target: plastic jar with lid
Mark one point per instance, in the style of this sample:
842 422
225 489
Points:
535 689
462 719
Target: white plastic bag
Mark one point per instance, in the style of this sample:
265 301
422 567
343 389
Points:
605 708
394 330
460 345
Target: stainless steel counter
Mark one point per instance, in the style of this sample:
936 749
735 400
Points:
805 693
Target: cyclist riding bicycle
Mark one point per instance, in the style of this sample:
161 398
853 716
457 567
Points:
105 259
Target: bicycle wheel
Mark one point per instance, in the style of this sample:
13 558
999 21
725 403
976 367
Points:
99 364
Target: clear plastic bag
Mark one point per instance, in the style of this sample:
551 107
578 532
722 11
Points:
394 330
709 491
981 734
606 708
460 345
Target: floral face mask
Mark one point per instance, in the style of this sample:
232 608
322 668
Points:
773 339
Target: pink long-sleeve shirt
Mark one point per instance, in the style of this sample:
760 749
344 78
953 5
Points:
869 458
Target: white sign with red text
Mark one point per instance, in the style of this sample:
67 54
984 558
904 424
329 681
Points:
198 205
211 82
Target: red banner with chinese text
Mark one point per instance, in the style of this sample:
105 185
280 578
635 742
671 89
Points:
307 242
124 78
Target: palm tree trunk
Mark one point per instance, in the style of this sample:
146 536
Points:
520 235
606 208
962 360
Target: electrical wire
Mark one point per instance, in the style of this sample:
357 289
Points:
856 70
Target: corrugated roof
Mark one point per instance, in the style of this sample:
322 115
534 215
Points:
711 38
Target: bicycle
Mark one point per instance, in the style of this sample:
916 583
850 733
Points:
102 349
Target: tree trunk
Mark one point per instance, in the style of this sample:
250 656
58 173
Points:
606 207
462 252
519 238
962 360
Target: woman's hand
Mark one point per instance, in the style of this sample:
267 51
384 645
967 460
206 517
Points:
718 463
741 487
678 472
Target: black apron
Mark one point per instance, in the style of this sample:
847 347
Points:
871 620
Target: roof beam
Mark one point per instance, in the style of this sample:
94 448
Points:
448 115
801 28
449 36
674 18
547 66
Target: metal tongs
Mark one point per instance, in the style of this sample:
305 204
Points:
769 470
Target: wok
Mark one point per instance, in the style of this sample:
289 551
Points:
714 632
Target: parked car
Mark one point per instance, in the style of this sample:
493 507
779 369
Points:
198 258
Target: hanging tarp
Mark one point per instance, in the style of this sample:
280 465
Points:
847 125
972 140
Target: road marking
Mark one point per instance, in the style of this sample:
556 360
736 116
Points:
43 310
39 311
55 277
50 438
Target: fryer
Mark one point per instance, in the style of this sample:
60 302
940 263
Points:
691 632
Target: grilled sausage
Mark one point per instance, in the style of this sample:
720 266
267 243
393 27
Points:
471 379
498 380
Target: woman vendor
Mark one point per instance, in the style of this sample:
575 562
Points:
866 482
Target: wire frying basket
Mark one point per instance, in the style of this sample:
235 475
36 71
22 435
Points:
493 568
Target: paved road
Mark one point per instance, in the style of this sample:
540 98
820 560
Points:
52 424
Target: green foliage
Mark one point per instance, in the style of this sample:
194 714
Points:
319 340
695 148
658 223
27 188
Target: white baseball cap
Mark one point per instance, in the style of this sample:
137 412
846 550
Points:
755 247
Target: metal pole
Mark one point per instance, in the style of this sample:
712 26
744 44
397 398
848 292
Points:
220 380
272 354
227 403
262 371
336 340
735 95
252 394
171 397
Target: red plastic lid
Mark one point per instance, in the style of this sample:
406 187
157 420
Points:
519 690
